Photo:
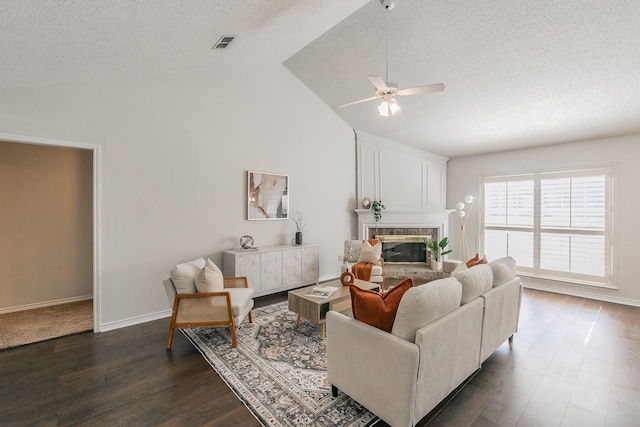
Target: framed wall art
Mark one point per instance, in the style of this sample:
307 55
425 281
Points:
267 196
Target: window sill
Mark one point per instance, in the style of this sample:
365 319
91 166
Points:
550 280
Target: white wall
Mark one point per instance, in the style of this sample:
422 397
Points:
46 217
174 155
463 177
402 177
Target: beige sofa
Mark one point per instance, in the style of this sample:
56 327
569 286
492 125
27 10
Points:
442 333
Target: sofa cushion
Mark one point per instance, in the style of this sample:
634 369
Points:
503 269
423 304
378 309
209 278
475 281
183 275
370 254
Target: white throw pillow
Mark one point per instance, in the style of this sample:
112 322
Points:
183 275
459 268
370 254
210 278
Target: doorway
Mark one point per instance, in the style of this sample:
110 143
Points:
50 211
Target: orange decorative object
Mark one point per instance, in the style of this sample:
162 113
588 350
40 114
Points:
376 308
347 278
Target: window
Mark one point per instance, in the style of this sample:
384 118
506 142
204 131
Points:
555 224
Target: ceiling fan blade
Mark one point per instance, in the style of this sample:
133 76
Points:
358 102
438 87
378 82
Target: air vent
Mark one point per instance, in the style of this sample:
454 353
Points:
223 42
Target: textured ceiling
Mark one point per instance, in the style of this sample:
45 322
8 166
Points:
55 41
517 74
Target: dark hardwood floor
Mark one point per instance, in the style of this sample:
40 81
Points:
575 362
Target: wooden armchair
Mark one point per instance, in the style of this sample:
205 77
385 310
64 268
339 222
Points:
228 308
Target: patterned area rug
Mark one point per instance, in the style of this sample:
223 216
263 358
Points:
279 370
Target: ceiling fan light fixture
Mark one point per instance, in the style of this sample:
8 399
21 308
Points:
388 107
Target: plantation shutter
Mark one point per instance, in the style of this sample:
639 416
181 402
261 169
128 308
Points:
555 224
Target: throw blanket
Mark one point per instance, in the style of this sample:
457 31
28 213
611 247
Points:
362 270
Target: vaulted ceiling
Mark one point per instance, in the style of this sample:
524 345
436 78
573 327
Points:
517 74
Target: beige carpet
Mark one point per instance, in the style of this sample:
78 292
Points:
29 326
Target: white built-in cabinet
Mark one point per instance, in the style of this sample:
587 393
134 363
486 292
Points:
272 269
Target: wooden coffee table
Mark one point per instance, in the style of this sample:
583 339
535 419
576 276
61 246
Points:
315 309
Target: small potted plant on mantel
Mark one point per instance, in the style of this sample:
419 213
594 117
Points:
437 252
376 207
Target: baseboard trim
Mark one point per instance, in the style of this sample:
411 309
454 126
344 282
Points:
582 294
45 304
109 326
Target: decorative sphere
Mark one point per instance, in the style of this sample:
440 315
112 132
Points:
460 205
469 199
246 242
462 214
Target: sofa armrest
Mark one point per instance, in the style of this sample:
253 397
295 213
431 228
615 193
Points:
501 314
374 367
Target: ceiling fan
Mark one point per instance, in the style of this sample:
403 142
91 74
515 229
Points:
387 90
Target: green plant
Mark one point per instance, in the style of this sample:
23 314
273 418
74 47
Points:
376 207
437 248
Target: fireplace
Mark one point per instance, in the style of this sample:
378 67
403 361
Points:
403 249
406 248
402 234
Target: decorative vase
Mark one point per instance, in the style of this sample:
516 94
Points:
436 265
298 237
347 278
345 265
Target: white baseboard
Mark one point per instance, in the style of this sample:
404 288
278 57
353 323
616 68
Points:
109 326
582 294
45 304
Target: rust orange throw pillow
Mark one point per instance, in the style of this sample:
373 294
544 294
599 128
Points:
476 260
473 261
378 309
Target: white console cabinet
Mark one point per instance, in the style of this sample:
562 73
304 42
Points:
272 269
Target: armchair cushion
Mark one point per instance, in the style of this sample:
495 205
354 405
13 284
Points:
240 299
378 309
370 254
209 278
183 275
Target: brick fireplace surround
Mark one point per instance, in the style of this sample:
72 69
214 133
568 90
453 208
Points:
432 223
